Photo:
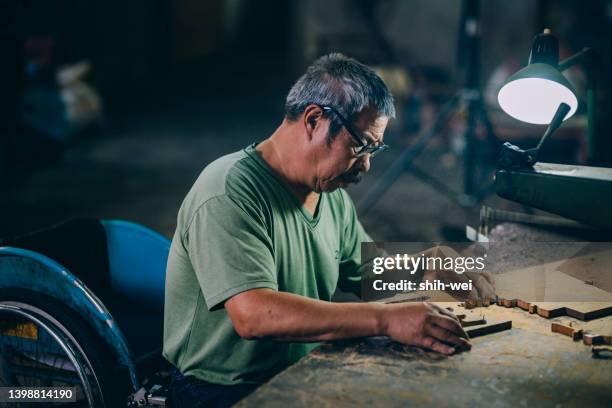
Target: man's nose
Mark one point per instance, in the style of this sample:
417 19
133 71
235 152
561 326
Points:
364 163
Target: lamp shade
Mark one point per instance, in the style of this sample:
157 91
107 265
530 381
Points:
534 93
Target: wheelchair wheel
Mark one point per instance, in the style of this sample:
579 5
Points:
43 344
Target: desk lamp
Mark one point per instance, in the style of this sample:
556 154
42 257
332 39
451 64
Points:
534 93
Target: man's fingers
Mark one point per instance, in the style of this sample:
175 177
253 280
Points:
450 325
485 289
447 337
451 315
445 312
488 277
435 345
483 286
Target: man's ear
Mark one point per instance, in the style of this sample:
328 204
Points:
312 117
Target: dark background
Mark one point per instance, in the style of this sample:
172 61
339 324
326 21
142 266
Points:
181 83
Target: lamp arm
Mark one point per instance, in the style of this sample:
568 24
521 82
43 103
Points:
560 114
586 56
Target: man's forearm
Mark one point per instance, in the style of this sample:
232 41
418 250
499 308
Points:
264 313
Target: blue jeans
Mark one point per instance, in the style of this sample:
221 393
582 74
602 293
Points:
190 392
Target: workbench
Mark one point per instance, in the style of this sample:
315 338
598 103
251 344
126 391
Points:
525 366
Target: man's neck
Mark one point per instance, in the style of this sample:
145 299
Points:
283 154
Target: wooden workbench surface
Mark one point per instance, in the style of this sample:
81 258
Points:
525 366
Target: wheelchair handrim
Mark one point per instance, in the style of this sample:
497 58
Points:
67 343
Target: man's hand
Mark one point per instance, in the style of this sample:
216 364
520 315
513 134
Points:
425 325
265 313
483 286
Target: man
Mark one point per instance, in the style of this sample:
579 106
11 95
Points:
267 234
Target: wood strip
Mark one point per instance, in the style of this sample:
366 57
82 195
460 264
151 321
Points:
574 333
591 339
550 312
589 315
473 322
489 328
579 310
523 305
508 302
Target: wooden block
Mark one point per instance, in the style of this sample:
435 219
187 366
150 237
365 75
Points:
582 312
473 303
533 308
551 311
545 283
578 310
470 304
489 328
592 339
523 305
574 333
509 302
473 322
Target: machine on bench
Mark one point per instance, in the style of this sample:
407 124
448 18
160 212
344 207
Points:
532 95
580 193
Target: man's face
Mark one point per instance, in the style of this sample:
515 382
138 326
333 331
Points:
337 165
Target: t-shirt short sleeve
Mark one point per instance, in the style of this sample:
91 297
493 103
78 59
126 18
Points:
230 250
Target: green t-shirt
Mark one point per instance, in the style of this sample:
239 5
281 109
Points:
241 228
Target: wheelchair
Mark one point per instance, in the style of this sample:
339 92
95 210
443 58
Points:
81 306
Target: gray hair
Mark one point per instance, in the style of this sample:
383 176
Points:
340 82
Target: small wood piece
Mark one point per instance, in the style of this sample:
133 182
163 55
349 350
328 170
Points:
551 312
473 322
489 328
509 302
579 310
592 339
607 340
575 334
523 305
590 314
471 304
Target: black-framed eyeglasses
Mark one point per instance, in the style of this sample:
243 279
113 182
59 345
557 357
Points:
364 148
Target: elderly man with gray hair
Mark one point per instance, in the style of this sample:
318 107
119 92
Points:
266 235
